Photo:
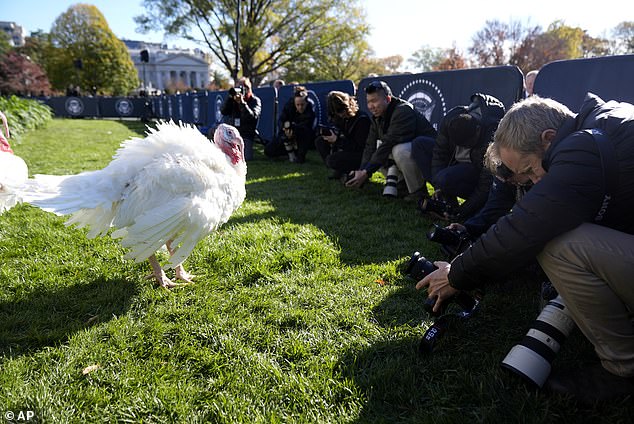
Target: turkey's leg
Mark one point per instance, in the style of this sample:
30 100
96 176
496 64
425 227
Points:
181 274
158 273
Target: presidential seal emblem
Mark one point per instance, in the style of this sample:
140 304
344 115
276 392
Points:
426 98
124 107
74 106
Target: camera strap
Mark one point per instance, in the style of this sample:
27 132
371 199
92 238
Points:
609 168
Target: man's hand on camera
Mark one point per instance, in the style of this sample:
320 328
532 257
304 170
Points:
437 284
359 177
238 98
331 139
457 227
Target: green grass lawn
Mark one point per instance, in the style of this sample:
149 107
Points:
286 322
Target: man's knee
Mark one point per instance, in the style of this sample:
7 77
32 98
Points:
565 246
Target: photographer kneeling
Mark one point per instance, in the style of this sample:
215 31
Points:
341 147
576 220
395 123
453 162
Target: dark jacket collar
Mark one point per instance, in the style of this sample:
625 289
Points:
584 119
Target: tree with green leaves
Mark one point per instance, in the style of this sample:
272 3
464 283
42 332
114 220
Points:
312 38
623 38
5 45
36 46
427 58
85 52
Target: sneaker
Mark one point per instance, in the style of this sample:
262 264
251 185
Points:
590 385
417 196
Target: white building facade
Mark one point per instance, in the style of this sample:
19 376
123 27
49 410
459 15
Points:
168 67
14 31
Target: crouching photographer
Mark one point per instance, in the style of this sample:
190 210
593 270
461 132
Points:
297 133
341 145
576 220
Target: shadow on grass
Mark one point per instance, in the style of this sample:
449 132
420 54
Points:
136 125
49 317
366 226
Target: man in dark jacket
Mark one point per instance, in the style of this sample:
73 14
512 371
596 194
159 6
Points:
454 163
395 123
242 109
577 220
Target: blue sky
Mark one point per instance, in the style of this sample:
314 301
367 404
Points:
398 26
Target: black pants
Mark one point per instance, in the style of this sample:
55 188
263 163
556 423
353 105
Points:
335 158
303 139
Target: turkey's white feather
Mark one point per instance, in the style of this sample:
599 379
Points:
13 175
173 184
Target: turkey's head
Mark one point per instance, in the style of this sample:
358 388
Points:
228 139
4 143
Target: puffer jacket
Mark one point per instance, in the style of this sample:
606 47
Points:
572 192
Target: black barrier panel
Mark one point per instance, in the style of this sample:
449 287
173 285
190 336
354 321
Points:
434 93
266 123
185 112
124 107
169 106
77 107
199 108
568 81
317 95
214 106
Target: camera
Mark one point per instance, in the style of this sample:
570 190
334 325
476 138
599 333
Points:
532 357
437 207
444 235
234 91
419 267
391 181
327 131
453 242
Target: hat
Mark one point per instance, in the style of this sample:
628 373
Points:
463 130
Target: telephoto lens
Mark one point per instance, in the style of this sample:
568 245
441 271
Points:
532 357
391 182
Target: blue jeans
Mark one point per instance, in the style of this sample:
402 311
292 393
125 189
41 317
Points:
459 179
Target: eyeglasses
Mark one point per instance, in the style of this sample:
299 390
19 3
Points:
375 86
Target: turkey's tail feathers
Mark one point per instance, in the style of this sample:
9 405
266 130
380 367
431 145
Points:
72 195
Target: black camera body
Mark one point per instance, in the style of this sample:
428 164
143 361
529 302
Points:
327 130
453 242
444 235
418 268
437 208
234 91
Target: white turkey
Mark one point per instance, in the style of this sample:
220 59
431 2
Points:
13 170
172 188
